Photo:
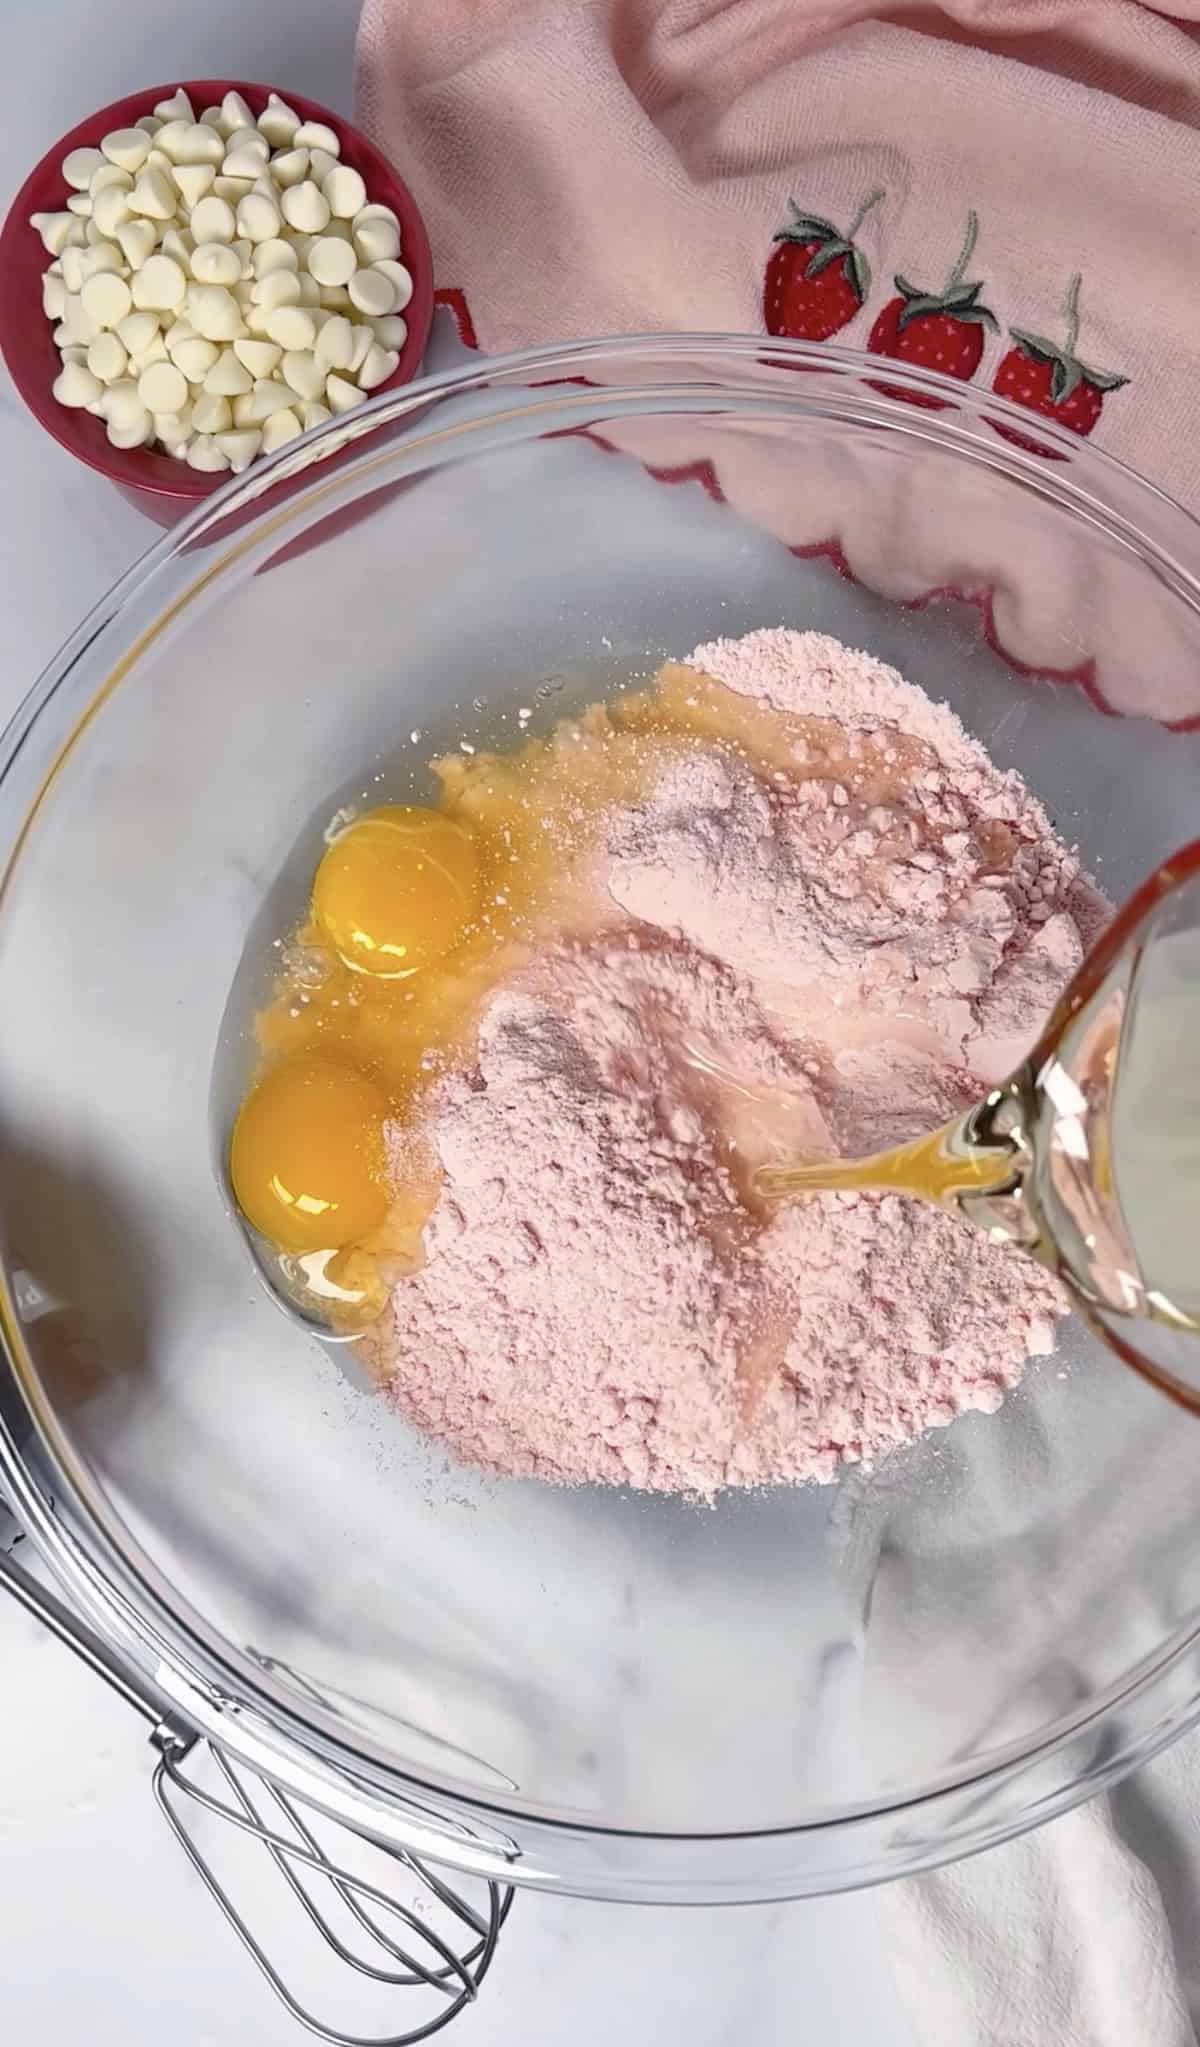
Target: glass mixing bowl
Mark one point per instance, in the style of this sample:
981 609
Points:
622 1695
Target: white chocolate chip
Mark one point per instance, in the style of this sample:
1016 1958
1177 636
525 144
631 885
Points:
133 435
136 241
235 113
376 234
128 148
289 167
363 341
275 254
372 292
110 177
240 448
279 429
151 196
99 256
137 331
228 377
173 427
212 414
194 356
160 285
193 180
334 346
78 166
345 192
392 330
313 413
178 245
106 299
168 138
162 388
110 208
155 351
259 357
277 288
78 321
80 204
335 298
232 189
258 217
214 312
213 220
331 260
278 122
216 263
54 296
303 373
196 144
206 455
268 397
76 385
291 327
376 367
341 395
177 108
401 281
320 163
243 159
310 292
305 207
315 135
106 358
73 272
54 229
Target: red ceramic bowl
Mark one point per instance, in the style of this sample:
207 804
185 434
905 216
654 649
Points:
156 483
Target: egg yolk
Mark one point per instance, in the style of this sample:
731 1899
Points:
397 890
306 1158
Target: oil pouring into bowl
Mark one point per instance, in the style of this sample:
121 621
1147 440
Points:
1088 1155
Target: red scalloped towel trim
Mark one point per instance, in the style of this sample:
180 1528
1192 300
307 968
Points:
701 471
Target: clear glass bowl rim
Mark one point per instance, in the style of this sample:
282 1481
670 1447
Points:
227 1697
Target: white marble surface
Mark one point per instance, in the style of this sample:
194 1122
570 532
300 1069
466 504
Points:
107 1934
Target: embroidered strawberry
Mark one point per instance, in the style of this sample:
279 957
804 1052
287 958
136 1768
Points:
1051 380
817 278
935 330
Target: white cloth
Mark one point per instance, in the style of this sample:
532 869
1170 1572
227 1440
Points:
1063 1938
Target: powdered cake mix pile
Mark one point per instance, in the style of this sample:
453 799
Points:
829 953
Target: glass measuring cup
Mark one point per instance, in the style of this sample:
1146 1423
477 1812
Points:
1088 1156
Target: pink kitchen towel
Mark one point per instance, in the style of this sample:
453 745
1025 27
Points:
1005 190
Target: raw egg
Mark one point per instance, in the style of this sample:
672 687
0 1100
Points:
307 1159
397 890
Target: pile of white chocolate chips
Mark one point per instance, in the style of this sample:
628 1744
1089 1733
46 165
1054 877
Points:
220 285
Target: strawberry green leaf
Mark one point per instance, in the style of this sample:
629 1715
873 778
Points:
960 295
1105 380
907 290
1065 379
924 302
860 275
824 257
806 227
1036 346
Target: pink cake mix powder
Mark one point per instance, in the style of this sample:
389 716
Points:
834 962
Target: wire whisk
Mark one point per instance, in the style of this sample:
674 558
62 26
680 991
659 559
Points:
412 1932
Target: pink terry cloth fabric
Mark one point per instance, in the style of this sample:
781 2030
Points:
591 167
